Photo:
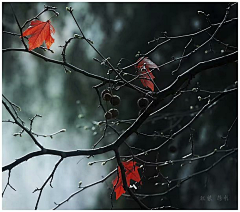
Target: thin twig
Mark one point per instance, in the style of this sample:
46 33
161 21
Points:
8 183
49 178
83 188
228 132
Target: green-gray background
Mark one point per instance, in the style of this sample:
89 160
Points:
119 30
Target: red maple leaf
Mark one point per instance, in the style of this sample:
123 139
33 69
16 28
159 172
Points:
131 173
39 32
145 67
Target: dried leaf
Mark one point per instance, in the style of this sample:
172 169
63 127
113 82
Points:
39 32
145 67
131 173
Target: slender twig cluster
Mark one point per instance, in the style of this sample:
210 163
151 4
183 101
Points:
154 110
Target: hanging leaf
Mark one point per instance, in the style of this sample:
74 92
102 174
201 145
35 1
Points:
39 32
131 173
145 67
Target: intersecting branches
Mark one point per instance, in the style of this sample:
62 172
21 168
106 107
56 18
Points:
8 184
125 186
225 138
44 184
182 180
22 126
171 89
82 188
18 121
150 113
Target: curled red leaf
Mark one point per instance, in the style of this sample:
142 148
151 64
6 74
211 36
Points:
145 67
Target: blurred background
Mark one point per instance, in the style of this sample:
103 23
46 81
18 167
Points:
68 101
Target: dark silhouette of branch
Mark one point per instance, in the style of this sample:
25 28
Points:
196 33
173 88
180 181
88 74
85 187
46 8
178 87
125 186
209 104
228 132
177 37
180 62
49 178
8 184
23 127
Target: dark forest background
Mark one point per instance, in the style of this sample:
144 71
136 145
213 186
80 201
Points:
119 30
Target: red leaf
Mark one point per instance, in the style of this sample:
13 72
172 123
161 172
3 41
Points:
131 173
39 32
144 68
